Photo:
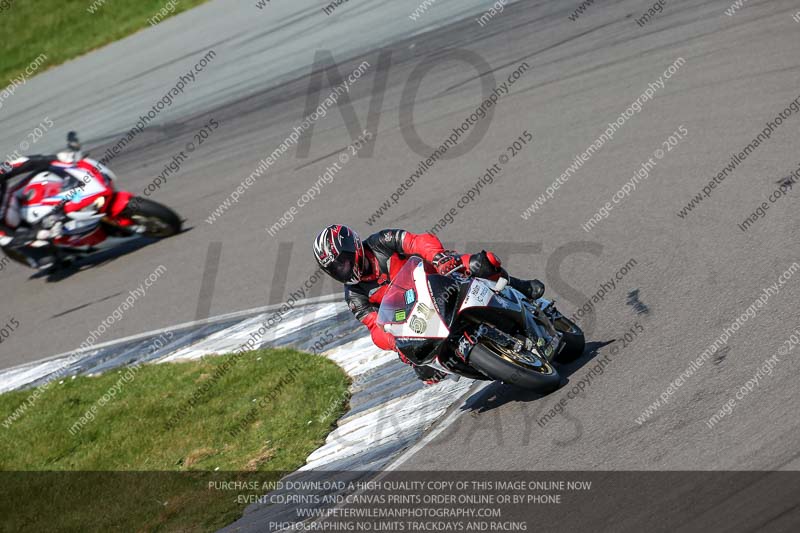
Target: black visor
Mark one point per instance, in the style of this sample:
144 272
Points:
342 267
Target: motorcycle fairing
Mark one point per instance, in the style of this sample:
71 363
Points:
423 319
478 295
410 314
510 305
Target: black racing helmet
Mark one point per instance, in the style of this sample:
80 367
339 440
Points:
340 253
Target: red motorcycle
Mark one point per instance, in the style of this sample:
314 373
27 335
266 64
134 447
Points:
74 209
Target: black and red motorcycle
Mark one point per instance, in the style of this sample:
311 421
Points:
477 328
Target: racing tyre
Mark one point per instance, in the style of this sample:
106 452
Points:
572 340
158 221
523 369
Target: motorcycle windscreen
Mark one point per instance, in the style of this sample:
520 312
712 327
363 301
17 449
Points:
407 309
400 297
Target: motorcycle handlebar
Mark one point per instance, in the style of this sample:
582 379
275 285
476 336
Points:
456 269
502 281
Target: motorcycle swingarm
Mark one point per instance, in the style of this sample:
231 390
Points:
502 339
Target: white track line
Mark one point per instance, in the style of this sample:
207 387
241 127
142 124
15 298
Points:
156 332
439 428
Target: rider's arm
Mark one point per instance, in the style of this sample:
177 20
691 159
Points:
398 241
33 163
428 247
425 245
11 169
380 338
365 313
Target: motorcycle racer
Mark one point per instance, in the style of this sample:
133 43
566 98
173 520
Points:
64 188
367 267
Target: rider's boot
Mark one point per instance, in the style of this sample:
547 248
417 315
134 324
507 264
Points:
533 289
43 257
429 375
20 249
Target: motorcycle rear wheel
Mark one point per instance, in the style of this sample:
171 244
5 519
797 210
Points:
508 366
158 221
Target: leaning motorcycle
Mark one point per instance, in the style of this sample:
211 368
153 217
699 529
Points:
46 235
477 328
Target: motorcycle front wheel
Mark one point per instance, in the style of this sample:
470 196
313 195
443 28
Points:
523 369
156 220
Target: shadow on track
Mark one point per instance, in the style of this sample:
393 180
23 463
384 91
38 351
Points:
97 259
498 394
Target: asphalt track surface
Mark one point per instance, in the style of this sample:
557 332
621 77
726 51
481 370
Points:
692 278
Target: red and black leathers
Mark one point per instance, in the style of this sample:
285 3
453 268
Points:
387 252
31 163
9 170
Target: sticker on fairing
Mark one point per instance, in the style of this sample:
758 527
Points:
424 311
479 295
410 296
417 325
399 315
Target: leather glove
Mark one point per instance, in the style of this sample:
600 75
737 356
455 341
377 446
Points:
49 234
52 226
484 264
446 261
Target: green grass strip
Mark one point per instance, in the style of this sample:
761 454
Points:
260 412
65 29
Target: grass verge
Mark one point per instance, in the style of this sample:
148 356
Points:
124 470
65 29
